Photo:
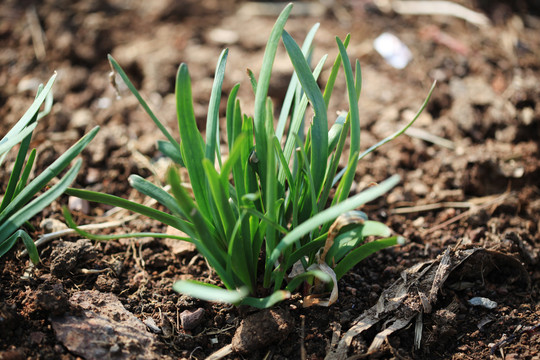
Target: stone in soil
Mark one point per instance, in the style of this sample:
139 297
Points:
262 329
104 329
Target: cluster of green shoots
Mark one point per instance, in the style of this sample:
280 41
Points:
266 209
23 199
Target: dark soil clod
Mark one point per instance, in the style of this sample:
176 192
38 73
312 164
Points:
262 329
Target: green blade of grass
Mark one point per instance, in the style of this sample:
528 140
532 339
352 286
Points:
23 180
205 238
16 172
209 292
362 252
347 241
266 219
234 157
230 115
261 136
6 245
344 186
271 192
269 301
112 200
311 182
238 169
116 67
358 79
47 106
155 192
334 163
11 224
30 113
329 88
355 122
299 279
306 250
284 165
239 255
293 84
220 199
334 134
50 172
212 120
319 128
296 122
252 80
170 151
332 213
71 223
192 144
10 141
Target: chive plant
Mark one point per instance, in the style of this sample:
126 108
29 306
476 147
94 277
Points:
19 202
265 210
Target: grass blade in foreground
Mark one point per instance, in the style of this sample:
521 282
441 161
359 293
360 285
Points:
50 172
131 87
319 129
333 212
133 206
192 146
15 221
20 203
261 137
209 292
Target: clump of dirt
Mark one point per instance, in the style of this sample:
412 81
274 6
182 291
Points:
262 329
67 256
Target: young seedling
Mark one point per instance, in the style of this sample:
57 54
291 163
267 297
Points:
19 203
264 211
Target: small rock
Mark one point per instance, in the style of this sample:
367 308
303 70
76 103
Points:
151 324
92 176
36 337
82 119
104 329
418 188
178 247
52 225
482 301
191 319
223 36
419 222
526 116
77 204
28 84
261 329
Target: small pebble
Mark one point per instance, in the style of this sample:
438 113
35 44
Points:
151 324
191 319
482 301
77 204
52 225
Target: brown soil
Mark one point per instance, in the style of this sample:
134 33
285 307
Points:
485 185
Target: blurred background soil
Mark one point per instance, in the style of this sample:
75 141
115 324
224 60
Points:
470 169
